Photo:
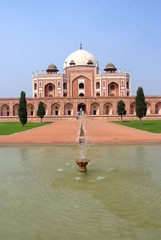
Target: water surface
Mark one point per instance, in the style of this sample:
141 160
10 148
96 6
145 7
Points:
42 196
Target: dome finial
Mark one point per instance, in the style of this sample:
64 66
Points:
80 45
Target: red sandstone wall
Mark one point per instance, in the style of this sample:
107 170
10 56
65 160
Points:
154 105
75 87
87 88
83 73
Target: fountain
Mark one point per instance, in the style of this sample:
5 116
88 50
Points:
82 141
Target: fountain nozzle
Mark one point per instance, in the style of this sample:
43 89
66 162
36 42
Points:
82 163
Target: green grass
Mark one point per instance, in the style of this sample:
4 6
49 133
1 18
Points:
7 128
153 126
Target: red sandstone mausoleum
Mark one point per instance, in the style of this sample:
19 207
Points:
81 87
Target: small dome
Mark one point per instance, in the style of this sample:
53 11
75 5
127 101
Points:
80 58
72 62
110 68
52 68
90 62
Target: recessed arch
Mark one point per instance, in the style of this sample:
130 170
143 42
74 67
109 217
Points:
55 109
30 110
15 109
94 109
132 108
35 86
5 110
49 90
81 84
158 108
97 85
68 109
81 107
113 89
108 108
65 86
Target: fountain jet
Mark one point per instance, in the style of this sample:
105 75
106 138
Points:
83 161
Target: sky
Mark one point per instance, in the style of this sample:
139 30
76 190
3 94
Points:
36 33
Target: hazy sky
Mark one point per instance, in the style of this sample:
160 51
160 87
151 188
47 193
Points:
35 33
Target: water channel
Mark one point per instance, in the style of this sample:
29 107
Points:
43 196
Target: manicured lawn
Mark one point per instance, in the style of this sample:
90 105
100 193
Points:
7 128
153 126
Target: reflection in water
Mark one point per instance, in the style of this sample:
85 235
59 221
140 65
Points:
42 196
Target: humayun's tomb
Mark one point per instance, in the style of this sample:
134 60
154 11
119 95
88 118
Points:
81 87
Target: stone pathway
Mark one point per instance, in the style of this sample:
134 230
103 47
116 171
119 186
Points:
59 132
65 132
101 131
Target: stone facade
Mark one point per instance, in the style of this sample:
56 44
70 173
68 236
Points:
81 87
100 106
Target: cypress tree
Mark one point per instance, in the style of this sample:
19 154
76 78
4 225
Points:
41 111
22 110
140 104
121 108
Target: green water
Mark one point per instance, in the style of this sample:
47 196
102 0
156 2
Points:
42 196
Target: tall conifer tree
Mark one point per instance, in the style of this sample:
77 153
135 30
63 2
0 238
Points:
140 104
22 111
41 111
121 108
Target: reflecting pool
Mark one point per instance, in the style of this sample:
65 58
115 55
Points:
43 196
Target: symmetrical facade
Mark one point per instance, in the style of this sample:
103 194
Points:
81 87
81 78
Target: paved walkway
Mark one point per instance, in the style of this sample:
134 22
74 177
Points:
59 132
101 131
66 132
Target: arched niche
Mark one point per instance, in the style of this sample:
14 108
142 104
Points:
5 110
65 86
81 107
68 109
97 85
158 108
30 110
15 109
35 86
94 109
132 108
55 109
113 89
107 108
49 90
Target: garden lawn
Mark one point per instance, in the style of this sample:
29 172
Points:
7 128
153 126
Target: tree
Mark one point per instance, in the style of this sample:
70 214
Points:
140 104
22 110
41 111
121 108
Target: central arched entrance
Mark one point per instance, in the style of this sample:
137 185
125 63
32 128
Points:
81 108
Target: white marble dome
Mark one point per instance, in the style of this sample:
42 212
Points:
80 58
